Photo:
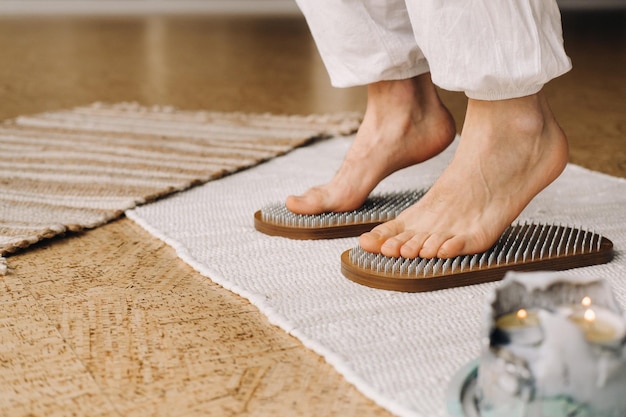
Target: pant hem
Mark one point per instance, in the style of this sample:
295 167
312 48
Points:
420 68
503 95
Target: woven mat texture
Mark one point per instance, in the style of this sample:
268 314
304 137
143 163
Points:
399 349
79 168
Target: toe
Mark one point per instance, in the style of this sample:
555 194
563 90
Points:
374 240
452 247
412 247
430 248
392 246
311 202
295 202
466 244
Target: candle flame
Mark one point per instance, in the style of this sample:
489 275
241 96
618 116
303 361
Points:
586 302
522 314
589 316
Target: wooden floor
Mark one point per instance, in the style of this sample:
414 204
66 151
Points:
110 322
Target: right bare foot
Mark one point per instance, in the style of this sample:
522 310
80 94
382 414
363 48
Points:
405 123
509 151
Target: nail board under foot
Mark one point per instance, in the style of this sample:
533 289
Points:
277 220
522 247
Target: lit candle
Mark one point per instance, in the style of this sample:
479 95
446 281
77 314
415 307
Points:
522 327
600 325
522 315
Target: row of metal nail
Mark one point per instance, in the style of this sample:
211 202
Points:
377 208
519 243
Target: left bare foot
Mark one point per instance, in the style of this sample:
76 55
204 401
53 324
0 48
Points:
509 151
405 123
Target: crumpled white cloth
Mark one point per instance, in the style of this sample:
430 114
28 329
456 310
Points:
490 50
399 349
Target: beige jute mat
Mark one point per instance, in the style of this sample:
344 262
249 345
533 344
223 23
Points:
75 169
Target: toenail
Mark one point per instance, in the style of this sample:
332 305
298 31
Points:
388 244
374 235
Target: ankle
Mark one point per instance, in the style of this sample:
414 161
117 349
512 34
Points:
405 103
528 116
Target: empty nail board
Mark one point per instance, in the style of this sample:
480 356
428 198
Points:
278 220
522 247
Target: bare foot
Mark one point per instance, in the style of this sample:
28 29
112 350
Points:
405 123
509 151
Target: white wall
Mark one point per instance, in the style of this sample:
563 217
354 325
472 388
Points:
134 7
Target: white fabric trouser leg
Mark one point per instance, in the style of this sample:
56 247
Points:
490 49
362 42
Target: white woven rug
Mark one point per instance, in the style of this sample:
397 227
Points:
399 349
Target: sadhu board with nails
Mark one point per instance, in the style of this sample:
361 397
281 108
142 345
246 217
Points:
277 220
522 247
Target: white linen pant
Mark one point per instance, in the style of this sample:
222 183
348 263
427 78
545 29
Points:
490 49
